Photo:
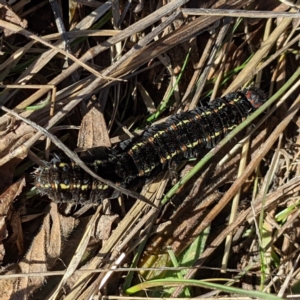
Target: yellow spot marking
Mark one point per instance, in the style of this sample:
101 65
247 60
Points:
159 133
237 99
84 187
64 186
147 171
174 153
232 127
61 165
136 146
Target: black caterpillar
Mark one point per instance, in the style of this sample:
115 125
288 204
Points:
160 146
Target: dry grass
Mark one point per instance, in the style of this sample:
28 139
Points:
112 73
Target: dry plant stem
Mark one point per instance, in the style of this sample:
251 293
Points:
235 204
272 169
217 47
224 53
72 90
289 278
239 13
234 188
138 26
59 23
44 87
108 274
76 259
12 61
112 297
258 78
281 231
179 36
47 56
291 3
117 49
146 222
292 32
198 71
125 233
290 188
153 50
32 156
275 278
123 227
86 92
165 60
92 271
52 107
204 74
18 29
82 33
142 43
146 218
34 8
94 85
261 66
258 56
